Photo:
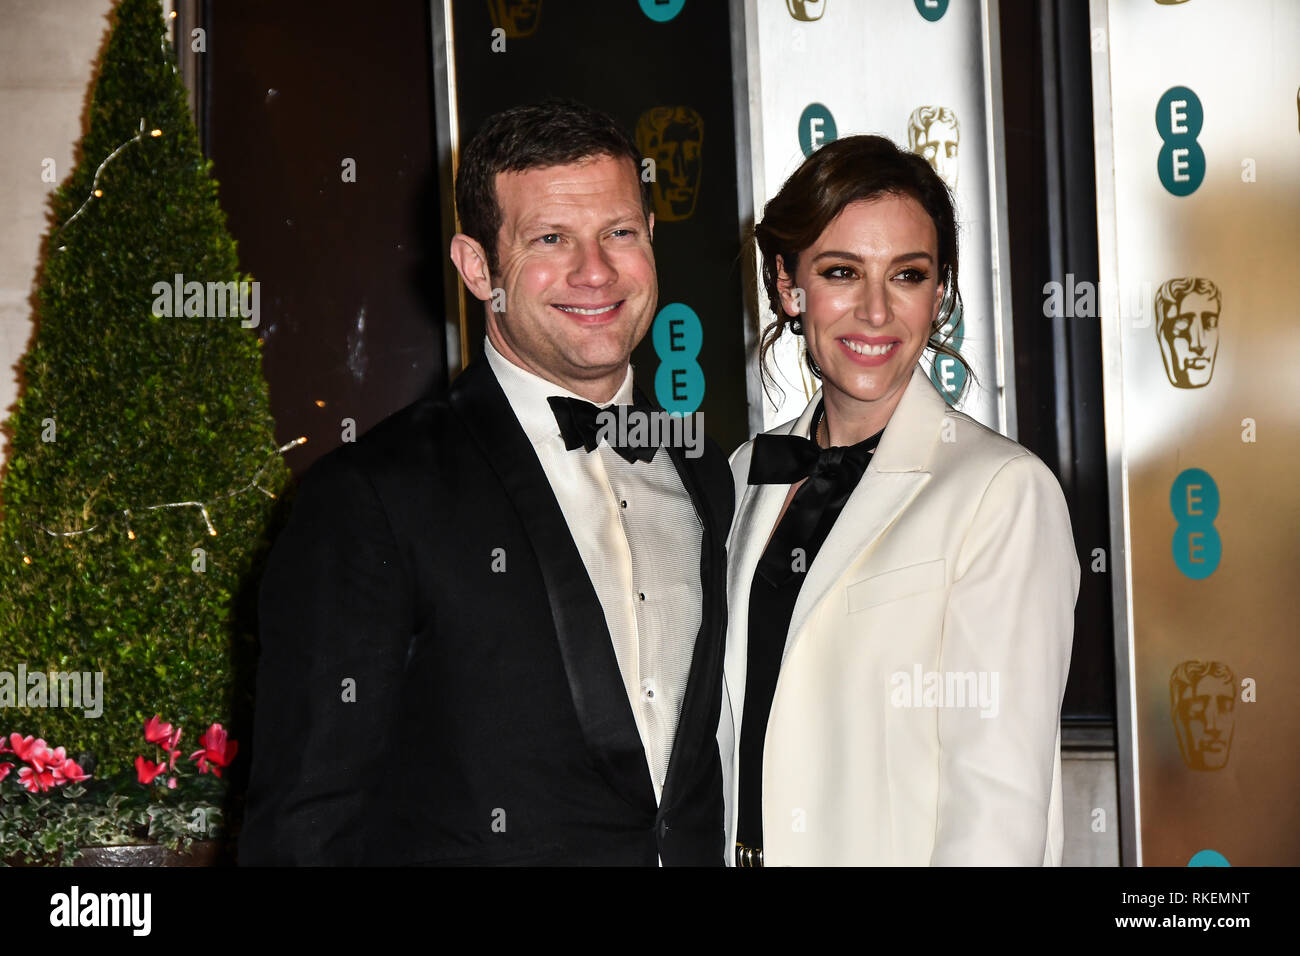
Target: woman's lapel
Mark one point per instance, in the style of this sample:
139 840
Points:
896 474
756 512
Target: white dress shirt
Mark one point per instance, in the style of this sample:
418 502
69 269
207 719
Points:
639 536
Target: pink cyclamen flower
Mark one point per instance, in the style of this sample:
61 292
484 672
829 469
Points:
69 772
33 750
216 748
4 769
10 744
155 731
147 770
36 779
171 783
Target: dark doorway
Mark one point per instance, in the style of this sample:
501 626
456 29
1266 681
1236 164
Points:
351 270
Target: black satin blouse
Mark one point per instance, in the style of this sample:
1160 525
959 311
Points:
777 579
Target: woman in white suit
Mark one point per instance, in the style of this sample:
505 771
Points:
902 579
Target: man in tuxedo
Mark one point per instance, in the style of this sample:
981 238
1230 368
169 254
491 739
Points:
487 635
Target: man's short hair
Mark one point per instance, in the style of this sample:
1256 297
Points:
550 133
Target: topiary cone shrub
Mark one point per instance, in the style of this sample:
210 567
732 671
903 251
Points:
127 403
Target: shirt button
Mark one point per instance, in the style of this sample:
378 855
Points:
641 595
623 503
648 690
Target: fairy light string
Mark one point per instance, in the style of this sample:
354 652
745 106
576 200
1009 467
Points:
95 191
202 506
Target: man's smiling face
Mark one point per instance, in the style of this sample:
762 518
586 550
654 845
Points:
577 270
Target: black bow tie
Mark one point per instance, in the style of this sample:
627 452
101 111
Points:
832 475
581 428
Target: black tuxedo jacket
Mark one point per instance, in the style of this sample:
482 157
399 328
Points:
437 683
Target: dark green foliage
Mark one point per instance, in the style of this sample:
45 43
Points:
146 410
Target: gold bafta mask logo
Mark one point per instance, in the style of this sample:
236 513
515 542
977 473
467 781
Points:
1202 702
1187 326
673 137
517 17
806 10
933 133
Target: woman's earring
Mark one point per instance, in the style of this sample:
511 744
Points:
812 362
796 326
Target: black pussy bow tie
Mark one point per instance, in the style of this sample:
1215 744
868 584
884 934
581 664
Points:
580 428
832 475
785 459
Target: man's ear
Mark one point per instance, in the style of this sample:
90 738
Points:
785 286
650 225
471 263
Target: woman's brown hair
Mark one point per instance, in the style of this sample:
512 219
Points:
845 171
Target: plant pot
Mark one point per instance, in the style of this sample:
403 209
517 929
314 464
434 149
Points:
202 853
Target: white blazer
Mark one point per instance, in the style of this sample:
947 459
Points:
950 571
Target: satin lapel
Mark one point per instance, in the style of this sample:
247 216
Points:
894 477
703 682
599 696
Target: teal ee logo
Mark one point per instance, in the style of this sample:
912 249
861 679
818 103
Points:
661 11
932 10
1194 499
1181 163
816 128
946 373
678 336
1208 858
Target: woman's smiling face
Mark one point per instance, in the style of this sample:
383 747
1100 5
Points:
870 296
